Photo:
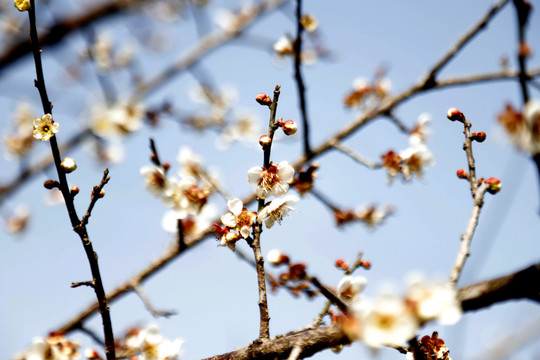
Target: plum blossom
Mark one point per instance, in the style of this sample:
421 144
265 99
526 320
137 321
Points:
434 301
150 344
185 197
276 210
226 236
239 218
415 158
54 347
155 179
388 321
117 120
45 127
350 287
273 181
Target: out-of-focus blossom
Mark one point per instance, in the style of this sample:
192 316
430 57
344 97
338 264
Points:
149 344
273 181
17 222
238 217
117 120
276 257
226 19
434 301
245 128
366 94
185 197
45 128
276 210
415 159
523 128
350 287
155 179
303 181
55 347
309 22
284 46
420 132
385 322
192 225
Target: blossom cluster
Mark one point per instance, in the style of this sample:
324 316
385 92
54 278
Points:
392 319
149 344
412 160
369 215
294 278
54 347
366 94
186 195
274 181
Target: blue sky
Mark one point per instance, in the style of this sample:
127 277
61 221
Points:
213 291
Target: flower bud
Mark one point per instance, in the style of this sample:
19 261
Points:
265 141
454 114
289 127
51 184
462 174
74 190
263 99
68 164
341 264
365 264
494 185
478 136
166 166
101 194
22 5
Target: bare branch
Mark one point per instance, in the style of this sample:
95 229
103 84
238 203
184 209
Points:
148 304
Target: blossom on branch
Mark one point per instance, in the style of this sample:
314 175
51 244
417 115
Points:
149 344
350 287
239 218
273 181
45 128
276 210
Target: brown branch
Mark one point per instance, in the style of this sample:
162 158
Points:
96 195
78 226
524 284
350 153
430 78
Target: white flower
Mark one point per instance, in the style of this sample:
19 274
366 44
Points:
284 46
420 132
245 128
185 197
192 225
386 322
349 287
239 218
153 346
55 347
155 179
45 128
272 181
435 301
120 119
276 210
226 20
415 159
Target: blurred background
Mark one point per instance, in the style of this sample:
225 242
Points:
212 290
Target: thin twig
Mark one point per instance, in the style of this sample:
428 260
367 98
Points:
96 195
329 294
148 304
83 283
299 79
356 157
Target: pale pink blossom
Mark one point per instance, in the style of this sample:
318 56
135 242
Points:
239 218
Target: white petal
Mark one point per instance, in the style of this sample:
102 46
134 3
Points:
254 175
228 220
285 171
235 206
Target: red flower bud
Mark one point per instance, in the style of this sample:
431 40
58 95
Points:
478 136
462 174
494 185
365 264
263 99
289 127
454 114
51 184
